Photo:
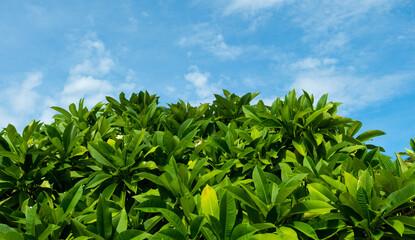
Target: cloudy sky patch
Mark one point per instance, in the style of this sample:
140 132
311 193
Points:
359 52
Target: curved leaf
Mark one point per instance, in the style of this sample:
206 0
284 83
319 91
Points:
132 235
175 220
369 134
104 222
400 196
305 228
209 202
261 185
228 213
168 234
243 232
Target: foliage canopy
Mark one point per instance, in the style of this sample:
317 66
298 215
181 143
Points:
131 169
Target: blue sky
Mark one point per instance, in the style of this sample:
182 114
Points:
362 53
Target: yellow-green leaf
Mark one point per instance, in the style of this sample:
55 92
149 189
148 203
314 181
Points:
209 202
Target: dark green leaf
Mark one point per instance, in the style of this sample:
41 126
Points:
104 222
228 213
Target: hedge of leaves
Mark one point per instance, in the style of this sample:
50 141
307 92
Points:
131 169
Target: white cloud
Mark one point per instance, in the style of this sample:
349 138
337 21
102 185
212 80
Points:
249 82
21 100
329 26
97 60
312 63
333 44
211 41
80 86
199 82
85 79
23 97
356 92
325 15
171 89
90 78
249 5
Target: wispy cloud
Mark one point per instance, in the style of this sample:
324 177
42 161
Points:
320 76
85 79
200 83
329 26
21 99
203 36
90 79
23 96
324 16
249 6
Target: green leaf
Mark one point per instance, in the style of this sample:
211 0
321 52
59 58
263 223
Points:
153 149
98 153
188 204
251 112
78 229
261 185
51 132
15 236
322 101
209 202
98 179
270 236
202 180
404 168
351 183
400 196
317 113
62 111
241 195
243 232
49 230
215 225
133 235
397 225
318 191
353 148
354 128
300 148
123 223
305 228
311 206
104 221
370 134
260 205
284 192
168 234
365 180
152 205
175 220
363 201
208 233
196 225
221 144
406 220
228 213
6 228
334 183
72 197
31 217
78 151
12 156
185 125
